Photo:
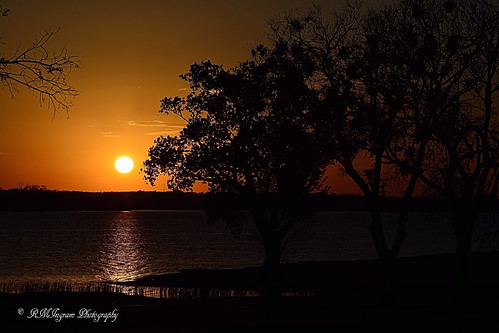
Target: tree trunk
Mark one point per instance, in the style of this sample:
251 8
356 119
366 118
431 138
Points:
376 229
401 230
272 277
465 219
271 274
372 195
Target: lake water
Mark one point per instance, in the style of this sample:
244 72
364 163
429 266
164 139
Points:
121 246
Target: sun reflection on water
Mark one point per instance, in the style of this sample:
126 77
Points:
122 258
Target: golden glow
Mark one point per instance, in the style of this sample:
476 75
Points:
121 258
124 164
122 83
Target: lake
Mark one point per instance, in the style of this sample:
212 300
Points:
122 246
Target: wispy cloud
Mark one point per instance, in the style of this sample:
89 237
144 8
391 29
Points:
167 130
109 135
2 153
158 127
147 123
157 133
163 133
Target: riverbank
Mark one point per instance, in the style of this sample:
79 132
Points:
347 297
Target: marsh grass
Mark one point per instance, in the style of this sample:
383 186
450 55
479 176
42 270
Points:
16 287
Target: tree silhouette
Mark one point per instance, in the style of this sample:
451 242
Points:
406 92
400 96
359 96
422 73
41 71
247 134
454 66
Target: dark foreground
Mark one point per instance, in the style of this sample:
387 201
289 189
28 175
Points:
349 297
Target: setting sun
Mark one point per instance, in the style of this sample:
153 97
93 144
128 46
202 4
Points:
124 164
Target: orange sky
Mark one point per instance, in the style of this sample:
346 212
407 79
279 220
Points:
131 53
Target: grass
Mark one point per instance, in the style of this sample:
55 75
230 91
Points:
14 287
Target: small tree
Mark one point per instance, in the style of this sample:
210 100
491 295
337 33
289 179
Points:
41 71
246 133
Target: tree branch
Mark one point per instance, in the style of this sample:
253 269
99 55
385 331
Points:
38 71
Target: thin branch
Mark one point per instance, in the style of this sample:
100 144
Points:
38 71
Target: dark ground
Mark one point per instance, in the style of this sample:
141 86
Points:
349 297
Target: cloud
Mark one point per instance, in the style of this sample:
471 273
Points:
2 153
147 123
110 135
157 133
158 127
163 133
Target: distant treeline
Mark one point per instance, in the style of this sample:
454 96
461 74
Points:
23 200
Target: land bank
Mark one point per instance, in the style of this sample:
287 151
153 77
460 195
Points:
47 200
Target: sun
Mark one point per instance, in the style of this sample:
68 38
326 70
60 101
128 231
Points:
124 164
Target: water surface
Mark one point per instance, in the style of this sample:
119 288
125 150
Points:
122 246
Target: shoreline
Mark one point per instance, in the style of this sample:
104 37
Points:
347 296
324 277
305 278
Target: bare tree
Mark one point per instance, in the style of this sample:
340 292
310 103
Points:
448 134
409 89
360 93
41 71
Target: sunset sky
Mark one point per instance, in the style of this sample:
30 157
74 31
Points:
131 54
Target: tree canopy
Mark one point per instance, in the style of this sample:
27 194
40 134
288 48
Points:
246 130
247 133
401 97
